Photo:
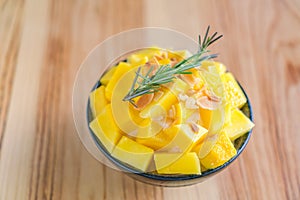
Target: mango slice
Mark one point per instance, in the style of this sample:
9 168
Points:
234 93
180 164
122 68
240 124
107 76
105 128
133 153
98 101
220 153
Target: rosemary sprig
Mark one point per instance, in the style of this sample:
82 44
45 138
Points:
166 73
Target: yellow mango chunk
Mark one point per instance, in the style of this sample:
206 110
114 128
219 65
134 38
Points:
196 148
127 118
194 79
164 103
135 116
136 59
189 115
220 153
105 128
154 135
157 141
122 68
107 76
228 111
178 86
205 117
234 93
240 124
219 66
98 101
164 61
178 113
180 164
133 153
178 55
156 125
143 56
149 130
186 135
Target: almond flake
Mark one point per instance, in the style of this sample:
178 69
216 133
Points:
191 103
191 92
206 103
194 127
165 123
158 95
144 100
175 149
195 117
172 111
183 97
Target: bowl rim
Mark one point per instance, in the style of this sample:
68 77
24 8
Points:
157 177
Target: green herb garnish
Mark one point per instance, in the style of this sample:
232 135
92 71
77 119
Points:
165 73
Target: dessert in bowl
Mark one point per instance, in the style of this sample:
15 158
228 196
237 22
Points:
169 118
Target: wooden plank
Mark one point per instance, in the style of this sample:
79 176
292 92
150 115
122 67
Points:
10 34
18 141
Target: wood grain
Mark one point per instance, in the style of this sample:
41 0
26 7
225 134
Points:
43 44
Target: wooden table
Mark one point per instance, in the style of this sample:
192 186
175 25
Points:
42 44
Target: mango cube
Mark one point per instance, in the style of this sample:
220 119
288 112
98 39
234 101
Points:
168 99
133 153
178 55
105 128
143 56
240 124
234 93
157 141
98 101
219 66
122 68
163 104
186 135
205 117
177 163
107 76
220 153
